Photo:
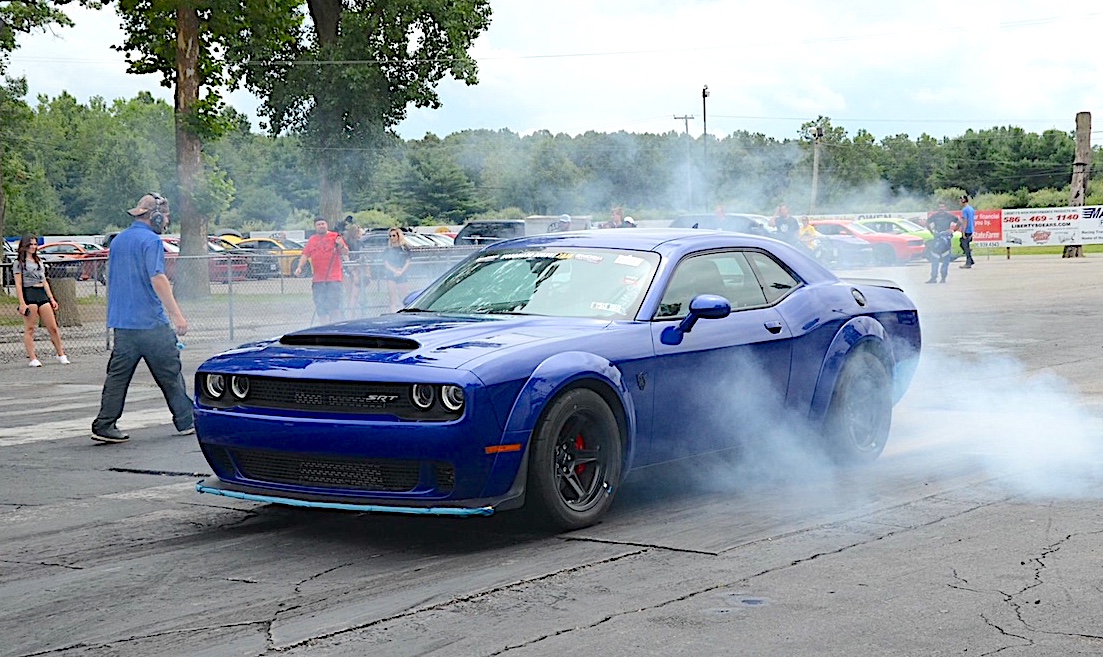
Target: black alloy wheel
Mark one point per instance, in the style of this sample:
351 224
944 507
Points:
575 465
860 415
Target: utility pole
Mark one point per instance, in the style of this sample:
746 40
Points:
705 144
1080 168
816 142
689 160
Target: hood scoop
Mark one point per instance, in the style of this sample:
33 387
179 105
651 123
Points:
345 341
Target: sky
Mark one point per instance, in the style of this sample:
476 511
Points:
572 66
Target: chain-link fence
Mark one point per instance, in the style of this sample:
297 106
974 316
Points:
251 297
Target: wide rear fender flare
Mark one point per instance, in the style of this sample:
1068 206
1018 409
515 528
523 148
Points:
565 370
860 332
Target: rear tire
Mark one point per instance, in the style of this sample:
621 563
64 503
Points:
575 461
860 416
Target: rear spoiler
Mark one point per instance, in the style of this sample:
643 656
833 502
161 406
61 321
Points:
876 282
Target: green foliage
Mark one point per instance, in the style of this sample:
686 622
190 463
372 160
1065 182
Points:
375 219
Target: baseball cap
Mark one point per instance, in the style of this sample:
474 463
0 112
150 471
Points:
148 202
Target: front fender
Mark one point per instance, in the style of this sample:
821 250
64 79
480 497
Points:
559 372
858 331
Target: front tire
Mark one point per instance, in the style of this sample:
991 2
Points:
884 254
860 415
575 461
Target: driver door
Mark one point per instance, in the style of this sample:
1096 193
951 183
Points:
728 378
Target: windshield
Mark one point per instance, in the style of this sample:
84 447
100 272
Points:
860 229
910 226
595 283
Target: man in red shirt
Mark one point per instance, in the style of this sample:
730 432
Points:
325 249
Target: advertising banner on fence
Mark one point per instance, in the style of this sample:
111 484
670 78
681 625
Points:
1048 226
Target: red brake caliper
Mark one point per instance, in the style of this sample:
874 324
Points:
579 445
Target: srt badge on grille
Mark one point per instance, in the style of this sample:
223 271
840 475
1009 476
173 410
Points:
382 400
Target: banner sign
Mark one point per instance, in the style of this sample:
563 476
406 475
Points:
1020 227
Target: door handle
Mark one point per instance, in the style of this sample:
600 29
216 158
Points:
773 327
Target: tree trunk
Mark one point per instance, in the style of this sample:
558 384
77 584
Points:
191 272
326 15
330 193
1080 169
65 291
3 215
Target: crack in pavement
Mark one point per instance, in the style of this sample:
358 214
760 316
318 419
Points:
139 637
447 603
41 563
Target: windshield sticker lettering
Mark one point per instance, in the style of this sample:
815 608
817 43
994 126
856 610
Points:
608 307
631 261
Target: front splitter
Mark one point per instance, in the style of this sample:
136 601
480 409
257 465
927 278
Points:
343 506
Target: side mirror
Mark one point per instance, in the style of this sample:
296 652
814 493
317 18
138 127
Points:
410 297
703 306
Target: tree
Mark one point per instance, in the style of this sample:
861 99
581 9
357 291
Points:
200 48
349 81
20 17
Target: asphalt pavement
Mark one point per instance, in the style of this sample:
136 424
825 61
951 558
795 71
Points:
977 532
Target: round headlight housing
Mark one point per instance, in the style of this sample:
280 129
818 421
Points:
422 396
452 397
214 385
239 385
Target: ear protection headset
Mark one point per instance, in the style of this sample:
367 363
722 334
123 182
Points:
157 217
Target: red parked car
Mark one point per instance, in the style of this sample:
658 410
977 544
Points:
219 263
888 249
81 260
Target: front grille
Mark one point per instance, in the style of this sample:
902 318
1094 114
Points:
361 398
219 460
330 472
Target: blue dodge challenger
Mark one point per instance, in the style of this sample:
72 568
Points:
539 371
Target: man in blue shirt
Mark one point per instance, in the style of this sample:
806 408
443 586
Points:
968 221
139 295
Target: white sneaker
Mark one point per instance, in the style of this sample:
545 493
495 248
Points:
64 360
35 363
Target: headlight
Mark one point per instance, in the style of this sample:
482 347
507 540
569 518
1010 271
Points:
239 385
452 397
214 385
422 395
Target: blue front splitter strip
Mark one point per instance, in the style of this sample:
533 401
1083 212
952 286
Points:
371 508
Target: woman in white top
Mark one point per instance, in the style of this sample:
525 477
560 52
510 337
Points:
36 300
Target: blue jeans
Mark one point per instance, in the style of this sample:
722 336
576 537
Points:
944 261
157 346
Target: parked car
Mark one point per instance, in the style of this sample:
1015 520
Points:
751 224
7 259
477 233
286 251
887 249
259 265
80 260
539 371
221 265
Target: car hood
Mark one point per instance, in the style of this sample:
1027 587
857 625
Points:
423 339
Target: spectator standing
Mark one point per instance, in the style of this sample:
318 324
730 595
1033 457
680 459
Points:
396 261
140 305
942 225
618 220
36 300
968 223
786 225
325 250
354 270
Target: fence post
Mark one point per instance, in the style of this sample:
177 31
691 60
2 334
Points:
230 291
